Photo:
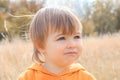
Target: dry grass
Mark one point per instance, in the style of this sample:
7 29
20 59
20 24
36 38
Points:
101 56
15 57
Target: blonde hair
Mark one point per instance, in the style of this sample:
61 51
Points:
49 20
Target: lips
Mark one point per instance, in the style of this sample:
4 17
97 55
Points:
71 51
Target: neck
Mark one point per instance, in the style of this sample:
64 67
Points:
53 68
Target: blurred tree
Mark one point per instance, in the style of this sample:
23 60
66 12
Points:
88 24
1 22
3 10
118 19
33 6
4 4
88 27
20 23
104 17
100 17
14 7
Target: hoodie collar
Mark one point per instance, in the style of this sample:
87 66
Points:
74 67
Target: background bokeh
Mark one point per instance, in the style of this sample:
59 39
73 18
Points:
101 35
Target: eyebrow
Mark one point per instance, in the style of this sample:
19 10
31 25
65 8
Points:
59 35
65 34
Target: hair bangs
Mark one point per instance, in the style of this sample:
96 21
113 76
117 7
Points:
64 22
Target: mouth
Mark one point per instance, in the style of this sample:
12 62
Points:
71 53
74 51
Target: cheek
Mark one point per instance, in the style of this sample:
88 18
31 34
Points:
80 46
60 45
53 50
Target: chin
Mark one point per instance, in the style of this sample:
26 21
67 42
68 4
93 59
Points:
71 61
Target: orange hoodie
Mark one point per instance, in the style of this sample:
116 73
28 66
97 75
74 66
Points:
37 72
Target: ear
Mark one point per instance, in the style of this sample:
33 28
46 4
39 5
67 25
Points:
42 50
39 47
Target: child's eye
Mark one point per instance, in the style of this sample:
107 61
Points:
61 38
77 37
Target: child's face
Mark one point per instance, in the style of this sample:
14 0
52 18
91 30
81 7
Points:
62 50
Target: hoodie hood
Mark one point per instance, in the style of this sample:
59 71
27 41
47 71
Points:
73 68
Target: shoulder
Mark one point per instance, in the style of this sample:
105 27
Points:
86 75
82 73
27 75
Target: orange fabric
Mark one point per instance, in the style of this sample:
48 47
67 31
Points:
37 72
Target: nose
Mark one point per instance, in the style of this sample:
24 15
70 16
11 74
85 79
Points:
71 44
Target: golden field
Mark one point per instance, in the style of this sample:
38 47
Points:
101 57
